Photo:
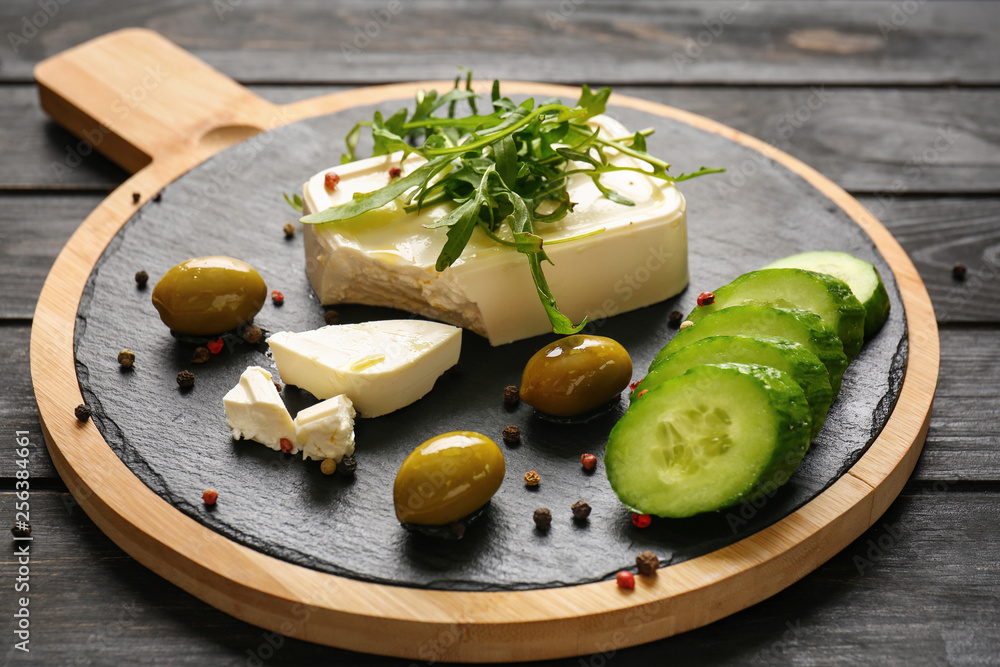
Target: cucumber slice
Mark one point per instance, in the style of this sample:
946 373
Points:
708 439
793 358
861 276
828 297
797 325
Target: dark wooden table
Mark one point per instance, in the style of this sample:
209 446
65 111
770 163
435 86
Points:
898 102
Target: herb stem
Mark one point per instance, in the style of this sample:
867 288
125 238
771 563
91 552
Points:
487 138
628 150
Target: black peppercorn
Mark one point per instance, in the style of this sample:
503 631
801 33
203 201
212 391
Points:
289 230
185 379
82 412
347 466
21 529
581 510
141 278
136 197
543 518
675 319
511 395
512 435
251 333
958 271
647 562
331 317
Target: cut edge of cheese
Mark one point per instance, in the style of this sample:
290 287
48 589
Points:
326 430
381 366
255 411
433 294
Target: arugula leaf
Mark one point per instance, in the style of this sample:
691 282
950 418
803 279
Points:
352 142
639 142
595 172
499 171
468 89
505 154
461 222
594 104
386 134
295 202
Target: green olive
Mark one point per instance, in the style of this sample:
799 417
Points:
209 295
447 478
575 374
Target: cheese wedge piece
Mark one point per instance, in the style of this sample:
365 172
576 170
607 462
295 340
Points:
381 366
255 411
386 258
326 430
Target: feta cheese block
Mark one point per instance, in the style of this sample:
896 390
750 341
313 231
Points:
255 411
326 430
381 366
386 258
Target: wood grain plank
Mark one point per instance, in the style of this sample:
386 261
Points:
937 233
41 154
644 41
44 156
92 604
870 140
18 411
889 142
33 229
963 441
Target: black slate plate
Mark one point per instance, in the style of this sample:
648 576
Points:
178 444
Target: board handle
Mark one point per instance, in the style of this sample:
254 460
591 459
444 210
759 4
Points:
137 97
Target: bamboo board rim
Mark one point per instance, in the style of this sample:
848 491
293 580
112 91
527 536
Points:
448 626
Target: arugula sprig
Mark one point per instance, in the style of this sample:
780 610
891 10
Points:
504 172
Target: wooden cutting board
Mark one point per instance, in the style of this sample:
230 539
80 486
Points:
159 112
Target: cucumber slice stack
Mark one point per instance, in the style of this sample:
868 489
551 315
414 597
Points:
793 358
730 405
828 297
796 325
861 276
708 439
